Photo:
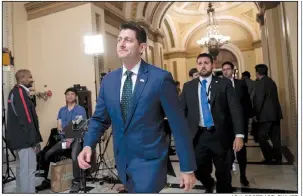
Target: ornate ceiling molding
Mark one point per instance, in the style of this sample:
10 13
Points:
112 17
39 9
115 20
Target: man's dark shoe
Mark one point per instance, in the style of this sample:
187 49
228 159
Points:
244 181
278 161
44 185
123 191
76 186
267 162
211 190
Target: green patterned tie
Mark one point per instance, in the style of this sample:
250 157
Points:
126 94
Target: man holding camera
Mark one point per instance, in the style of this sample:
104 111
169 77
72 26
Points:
67 114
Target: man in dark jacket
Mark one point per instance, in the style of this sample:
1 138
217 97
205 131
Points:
268 114
228 69
23 133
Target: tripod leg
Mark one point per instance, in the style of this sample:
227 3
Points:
113 186
83 177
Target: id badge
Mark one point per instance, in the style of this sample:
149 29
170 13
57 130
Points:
63 145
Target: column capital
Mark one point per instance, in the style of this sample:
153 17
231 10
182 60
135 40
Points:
154 35
263 7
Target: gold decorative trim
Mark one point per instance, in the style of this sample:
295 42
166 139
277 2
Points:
113 19
171 37
263 6
153 12
39 9
175 70
173 55
145 8
257 44
161 19
161 55
152 54
155 36
117 4
134 10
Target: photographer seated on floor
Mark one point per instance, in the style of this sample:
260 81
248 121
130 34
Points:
66 114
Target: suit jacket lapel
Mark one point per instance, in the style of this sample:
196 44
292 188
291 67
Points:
140 84
117 86
213 89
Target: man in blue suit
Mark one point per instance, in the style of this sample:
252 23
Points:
135 99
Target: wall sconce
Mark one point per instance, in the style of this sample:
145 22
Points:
44 95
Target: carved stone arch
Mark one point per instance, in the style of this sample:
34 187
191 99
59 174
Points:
174 33
161 13
237 52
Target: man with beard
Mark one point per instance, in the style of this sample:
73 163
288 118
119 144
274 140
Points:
23 133
215 119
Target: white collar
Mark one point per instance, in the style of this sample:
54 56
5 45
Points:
208 78
135 69
24 87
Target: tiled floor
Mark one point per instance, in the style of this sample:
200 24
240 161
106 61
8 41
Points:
263 178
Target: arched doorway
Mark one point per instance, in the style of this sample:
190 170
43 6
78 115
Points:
226 55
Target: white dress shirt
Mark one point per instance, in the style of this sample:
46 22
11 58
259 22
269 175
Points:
208 79
232 81
25 88
135 71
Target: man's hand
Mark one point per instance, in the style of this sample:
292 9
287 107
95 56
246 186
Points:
37 148
238 144
84 157
69 141
188 180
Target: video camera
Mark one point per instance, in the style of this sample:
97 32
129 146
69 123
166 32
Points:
77 128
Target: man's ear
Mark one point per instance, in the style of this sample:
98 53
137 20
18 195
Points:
143 47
